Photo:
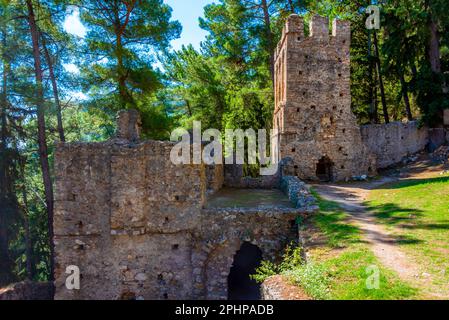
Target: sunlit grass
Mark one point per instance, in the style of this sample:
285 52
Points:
418 211
347 269
339 267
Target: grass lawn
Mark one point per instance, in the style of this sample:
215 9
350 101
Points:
345 259
338 262
417 212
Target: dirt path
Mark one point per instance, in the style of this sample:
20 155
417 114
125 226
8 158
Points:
351 196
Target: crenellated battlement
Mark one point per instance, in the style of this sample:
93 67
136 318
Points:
293 32
319 27
341 29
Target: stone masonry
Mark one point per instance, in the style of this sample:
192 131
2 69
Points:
137 227
317 128
393 141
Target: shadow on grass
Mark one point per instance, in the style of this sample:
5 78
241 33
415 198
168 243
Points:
407 218
333 223
406 239
415 182
427 226
394 214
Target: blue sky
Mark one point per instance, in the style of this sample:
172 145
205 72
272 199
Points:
186 12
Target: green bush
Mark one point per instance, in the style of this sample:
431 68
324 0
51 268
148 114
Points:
291 258
312 278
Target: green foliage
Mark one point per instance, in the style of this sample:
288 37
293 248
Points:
118 69
430 95
312 278
228 83
291 259
265 270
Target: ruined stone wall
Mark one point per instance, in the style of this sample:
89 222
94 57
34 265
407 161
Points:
135 224
215 178
125 215
393 141
234 178
313 101
437 138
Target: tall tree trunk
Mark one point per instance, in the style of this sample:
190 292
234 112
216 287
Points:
404 89
270 37
375 100
434 47
41 134
6 274
121 76
372 85
121 73
5 262
125 96
381 82
55 90
414 70
433 50
292 6
30 267
189 108
374 117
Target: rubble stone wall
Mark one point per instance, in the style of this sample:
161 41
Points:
393 141
125 215
234 178
215 178
135 224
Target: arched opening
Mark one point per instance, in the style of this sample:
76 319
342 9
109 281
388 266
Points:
240 286
324 169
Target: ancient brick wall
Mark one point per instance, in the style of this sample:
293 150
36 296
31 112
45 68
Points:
215 178
235 178
124 215
393 141
317 128
135 224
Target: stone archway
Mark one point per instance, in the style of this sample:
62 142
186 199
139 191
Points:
240 286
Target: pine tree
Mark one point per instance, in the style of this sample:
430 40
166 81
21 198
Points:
123 41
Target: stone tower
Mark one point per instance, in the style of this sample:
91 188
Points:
316 127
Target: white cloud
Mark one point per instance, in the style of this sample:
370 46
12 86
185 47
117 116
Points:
78 95
70 67
72 23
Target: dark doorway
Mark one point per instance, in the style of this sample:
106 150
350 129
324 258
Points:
324 169
240 286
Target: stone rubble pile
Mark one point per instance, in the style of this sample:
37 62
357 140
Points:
298 193
441 154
